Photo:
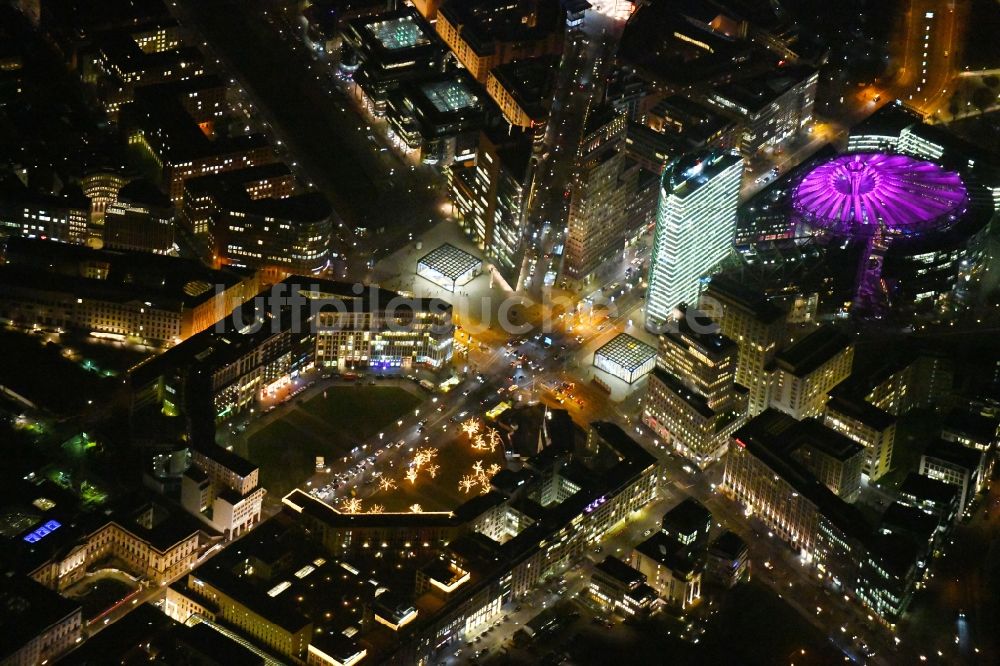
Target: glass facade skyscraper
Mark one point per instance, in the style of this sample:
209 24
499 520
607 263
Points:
694 228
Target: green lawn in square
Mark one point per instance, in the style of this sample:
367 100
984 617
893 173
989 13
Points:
286 449
362 410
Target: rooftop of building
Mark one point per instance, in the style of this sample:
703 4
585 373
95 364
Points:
669 552
27 609
754 95
120 48
688 516
614 568
529 82
227 459
813 433
302 208
973 425
955 454
439 104
681 45
238 178
686 175
860 410
483 23
143 193
889 120
626 351
897 555
90 17
728 545
694 400
157 112
14 191
700 121
809 353
692 328
514 147
288 581
923 488
114 275
739 295
767 438
904 519
450 261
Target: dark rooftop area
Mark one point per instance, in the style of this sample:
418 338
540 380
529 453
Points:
812 351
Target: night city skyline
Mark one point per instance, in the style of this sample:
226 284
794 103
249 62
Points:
499 332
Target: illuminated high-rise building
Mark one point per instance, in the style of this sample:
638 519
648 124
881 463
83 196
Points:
694 228
692 399
600 222
756 325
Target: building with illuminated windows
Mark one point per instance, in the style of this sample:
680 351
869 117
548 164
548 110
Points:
224 489
381 52
311 583
756 325
486 33
764 474
285 236
866 424
101 186
774 107
141 219
150 540
523 90
626 358
956 465
39 625
173 126
204 196
490 197
806 371
302 323
694 229
618 588
120 65
437 118
601 220
37 214
672 569
692 400
116 295
284 593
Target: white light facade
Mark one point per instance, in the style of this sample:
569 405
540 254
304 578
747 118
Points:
695 224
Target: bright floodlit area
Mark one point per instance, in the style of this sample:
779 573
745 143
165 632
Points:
435 485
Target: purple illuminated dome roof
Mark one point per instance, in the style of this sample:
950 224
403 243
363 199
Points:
851 193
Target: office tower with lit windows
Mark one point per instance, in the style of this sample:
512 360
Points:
489 199
757 326
33 213
866 424
806 372
692 400
284 236
604 186
141 219
694 228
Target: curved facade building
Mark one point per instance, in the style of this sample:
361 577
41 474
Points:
694 229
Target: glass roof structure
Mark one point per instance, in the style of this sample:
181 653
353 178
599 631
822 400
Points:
626 352
449 96
399 33
854 193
